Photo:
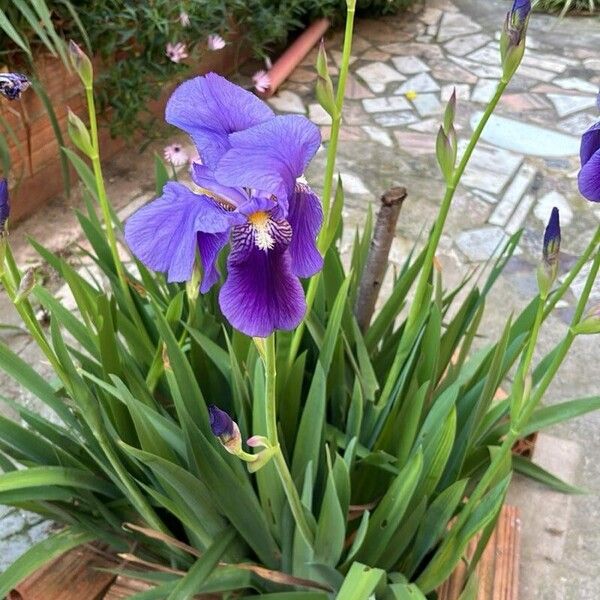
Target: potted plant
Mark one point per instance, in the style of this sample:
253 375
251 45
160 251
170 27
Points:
246 433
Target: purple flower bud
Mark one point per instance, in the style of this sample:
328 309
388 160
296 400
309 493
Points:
220 422
521 9
12 85
4 205
552 239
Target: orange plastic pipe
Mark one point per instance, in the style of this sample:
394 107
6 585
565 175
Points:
293 56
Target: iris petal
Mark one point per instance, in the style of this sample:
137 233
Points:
271 156
162 234
209 108
306 217
590 143
589 178
204 177
261 294
209 246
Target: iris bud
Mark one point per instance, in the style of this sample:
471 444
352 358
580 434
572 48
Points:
512 40
548 269
225 428
4 207
324 86
79 134
82 65
25 286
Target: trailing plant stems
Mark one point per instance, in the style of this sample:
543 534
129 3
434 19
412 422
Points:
336 124
269 359
515 429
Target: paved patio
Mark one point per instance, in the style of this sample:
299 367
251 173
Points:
403 70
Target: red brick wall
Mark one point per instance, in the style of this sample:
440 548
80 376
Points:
38 178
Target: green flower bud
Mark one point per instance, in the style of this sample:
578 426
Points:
324 86
82 64
79 134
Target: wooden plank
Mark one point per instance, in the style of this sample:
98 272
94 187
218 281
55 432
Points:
72 576
498 569
124 587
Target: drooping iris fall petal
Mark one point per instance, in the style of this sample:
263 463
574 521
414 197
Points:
162 234
261 294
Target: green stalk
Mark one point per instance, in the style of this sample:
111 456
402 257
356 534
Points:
583 258
337 118
564 347
285 477
514 432
10 280
440 222
332 147
107 212
102 198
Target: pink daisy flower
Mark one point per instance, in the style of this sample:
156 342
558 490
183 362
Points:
215 42
176 155
184 19
262 81
176 52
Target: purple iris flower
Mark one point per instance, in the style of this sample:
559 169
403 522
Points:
249 197
589 176
12 85
4 205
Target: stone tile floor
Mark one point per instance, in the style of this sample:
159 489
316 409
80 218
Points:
403 70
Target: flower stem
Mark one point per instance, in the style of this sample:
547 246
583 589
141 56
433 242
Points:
583 258
271 421
440 222
332 147
564 346
337 118
107 213
516 427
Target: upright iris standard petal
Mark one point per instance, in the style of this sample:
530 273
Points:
261 294
589 176
305 217
271 156
209 108
4 205
162 234
203 177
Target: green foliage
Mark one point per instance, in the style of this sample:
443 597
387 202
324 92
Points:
399 452
565 6
135 67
